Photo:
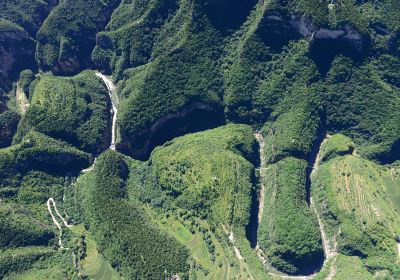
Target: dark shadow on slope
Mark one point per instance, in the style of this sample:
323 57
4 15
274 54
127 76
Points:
326 44
392 155
252 226
311 161
277 29
228 15
192 118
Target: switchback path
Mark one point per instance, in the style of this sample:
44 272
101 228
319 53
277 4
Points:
51 203
114 101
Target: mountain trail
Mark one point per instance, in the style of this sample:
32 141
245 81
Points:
50 203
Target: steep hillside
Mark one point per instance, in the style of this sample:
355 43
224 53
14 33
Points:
74 109
191 139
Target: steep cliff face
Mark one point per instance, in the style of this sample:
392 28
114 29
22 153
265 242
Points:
326 42
17 51
192 118
277 29
19 22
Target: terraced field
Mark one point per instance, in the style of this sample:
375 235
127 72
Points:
367 189
359 201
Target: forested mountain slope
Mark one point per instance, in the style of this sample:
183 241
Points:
192 139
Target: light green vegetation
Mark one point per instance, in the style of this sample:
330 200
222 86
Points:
53 273
359 205
349 268
187 220
203 182
93 265
295 69
138 246
207 174
336 145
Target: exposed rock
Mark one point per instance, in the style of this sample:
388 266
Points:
326 43
278 29
192 118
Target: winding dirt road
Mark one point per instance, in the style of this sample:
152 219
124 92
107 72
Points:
51 203
330 253
114 111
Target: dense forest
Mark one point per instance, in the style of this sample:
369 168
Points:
191 139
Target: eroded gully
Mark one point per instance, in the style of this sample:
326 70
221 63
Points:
330 251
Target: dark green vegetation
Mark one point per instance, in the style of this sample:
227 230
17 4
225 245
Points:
296 70
30 172
38 152
19 22
8 126
201 180
136 240
289 231
67 37
74 109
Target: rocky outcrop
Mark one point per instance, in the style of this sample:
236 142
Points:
192 118
277 29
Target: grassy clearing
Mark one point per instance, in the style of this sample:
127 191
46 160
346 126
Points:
53 273
349 268
222 265
94 265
